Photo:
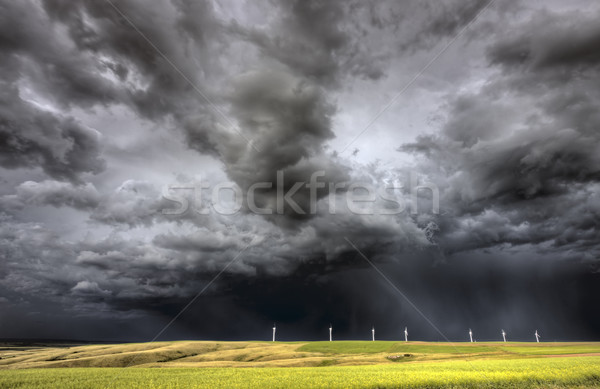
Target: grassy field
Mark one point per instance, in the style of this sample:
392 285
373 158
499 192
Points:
339 364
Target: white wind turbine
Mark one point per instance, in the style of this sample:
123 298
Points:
274 329
373 333
537 337
471 335
330 329
405 334
504 335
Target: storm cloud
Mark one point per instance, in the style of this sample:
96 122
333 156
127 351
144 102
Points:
119 120
519 156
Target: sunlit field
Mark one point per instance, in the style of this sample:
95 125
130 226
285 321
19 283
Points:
343 364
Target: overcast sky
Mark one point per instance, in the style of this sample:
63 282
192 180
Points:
107 107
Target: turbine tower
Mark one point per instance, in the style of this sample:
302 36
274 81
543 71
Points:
471 335
274 329
330 329
405 334
537 337
504 335
373 333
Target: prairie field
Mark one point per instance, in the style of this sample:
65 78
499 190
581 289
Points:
338 364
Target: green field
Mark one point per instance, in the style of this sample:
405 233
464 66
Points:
341 364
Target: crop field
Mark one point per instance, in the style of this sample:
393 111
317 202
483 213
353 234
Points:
339 364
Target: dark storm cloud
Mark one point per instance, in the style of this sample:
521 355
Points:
125 270
285 113
331 42
316 40
31 137
23 245
551 41
525 176
154 86
33 50
411 27
442 20
289 119
139 67
516 164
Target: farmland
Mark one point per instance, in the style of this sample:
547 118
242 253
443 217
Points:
340 364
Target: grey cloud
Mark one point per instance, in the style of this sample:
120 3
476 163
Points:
133 203
515 175
516 161
122 273
203 240
411 27
21 270
128 69
284 112
36 58
288 119
198 129
315 40
550 52
88 288
550 40
473 119
34 50
330 42
113 270
445 19
54 193
31 137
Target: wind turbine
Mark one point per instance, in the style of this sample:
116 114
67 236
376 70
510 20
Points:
471 335
504 335
405 334
274 329
373 333
537 337
330 329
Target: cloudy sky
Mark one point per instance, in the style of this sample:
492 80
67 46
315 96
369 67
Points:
124 128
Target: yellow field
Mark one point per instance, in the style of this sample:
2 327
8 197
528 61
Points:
302 364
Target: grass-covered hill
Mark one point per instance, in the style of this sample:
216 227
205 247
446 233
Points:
272 354
340 364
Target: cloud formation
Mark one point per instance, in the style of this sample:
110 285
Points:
111 110
519 157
